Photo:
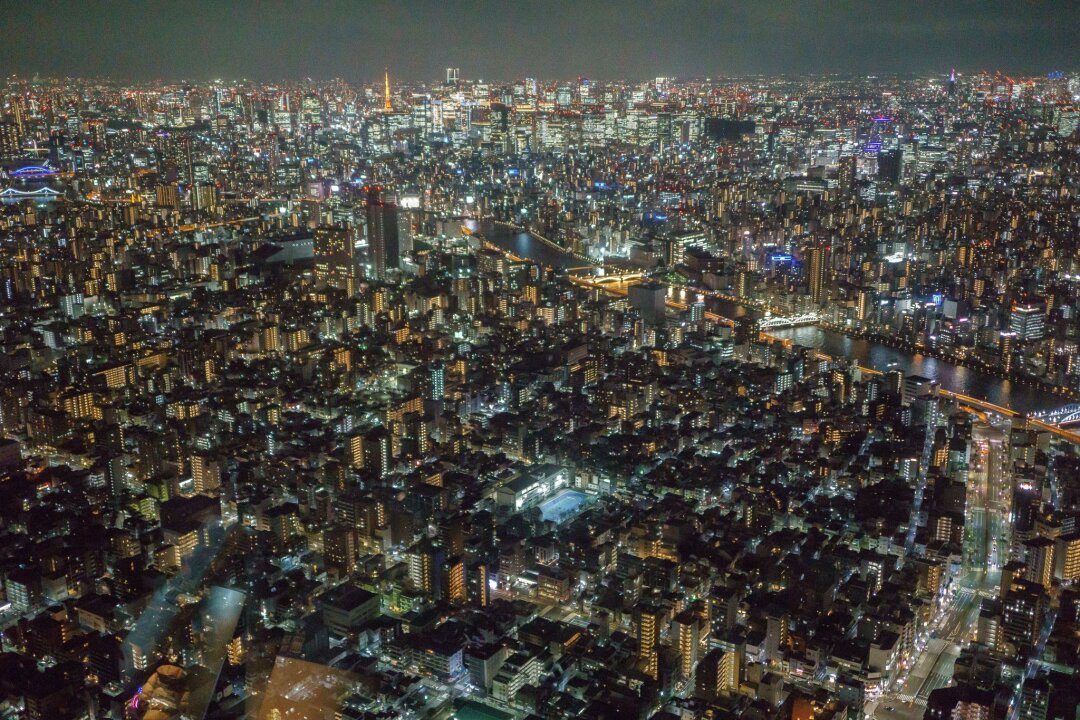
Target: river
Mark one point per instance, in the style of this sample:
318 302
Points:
523 244
957 378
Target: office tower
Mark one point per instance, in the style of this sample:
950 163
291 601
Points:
916 386
1028 321
382 231
649 300
335 258
817 256
889 164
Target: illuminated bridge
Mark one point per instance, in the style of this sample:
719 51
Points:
44 192
773 322
1068 415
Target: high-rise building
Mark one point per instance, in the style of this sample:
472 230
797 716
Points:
1040 561
689 633
648 636
1023 614
203 197
335 258
1028 321
10 140
817 257
1006 345
845 176
168 196
436 381
426 561
382 231
864 304
1067 558
720 671
649 299
776 636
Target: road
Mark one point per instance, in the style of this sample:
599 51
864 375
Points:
935 656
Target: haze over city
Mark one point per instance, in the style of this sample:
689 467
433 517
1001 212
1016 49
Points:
499 40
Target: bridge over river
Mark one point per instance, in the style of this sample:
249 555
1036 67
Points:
975 388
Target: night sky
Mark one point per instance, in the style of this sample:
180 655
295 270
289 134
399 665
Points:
503 39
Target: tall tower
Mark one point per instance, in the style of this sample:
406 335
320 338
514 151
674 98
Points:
382 229
387 106
818 256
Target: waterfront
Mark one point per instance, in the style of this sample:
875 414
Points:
956 378
524 244
950 376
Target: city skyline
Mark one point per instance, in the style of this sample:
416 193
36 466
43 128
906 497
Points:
430 395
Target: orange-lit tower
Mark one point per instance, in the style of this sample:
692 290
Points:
387 107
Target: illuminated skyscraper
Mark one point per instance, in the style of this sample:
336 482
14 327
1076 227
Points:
382 231
817 257
648 635
845 178
10 140
436 381
335 261
1028 321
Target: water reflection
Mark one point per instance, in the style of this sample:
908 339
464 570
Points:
956 378
523 244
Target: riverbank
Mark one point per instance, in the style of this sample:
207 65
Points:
1019 378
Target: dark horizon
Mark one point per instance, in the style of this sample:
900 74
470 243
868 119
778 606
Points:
198 40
